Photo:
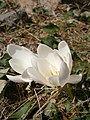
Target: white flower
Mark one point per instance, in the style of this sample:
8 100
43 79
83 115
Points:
49 67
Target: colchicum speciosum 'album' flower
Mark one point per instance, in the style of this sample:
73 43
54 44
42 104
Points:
49 66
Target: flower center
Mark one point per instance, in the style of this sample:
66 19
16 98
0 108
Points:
54 72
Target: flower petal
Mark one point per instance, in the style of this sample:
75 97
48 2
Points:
17 78
35 75
16 50
54 80
69 62
64 74
43 50
11 49
18 66
74 79
63 48
44 67
65 53
34 61
26 77
20 53
54 60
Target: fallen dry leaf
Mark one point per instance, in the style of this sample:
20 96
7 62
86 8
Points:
28 5
50 5
2 85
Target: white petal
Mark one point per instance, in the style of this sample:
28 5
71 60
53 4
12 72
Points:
64 74
63 48
44 67
34 61
17 78
74 79
43 50
26 77
54 80
69 62
13 50
54 60
35 75
18 66
65 53
21 53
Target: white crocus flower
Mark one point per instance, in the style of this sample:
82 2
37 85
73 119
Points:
50 67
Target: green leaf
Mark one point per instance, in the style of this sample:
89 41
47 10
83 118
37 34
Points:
48 110
4 60
51 41
88 117
51 111
81 117
3 72
2 4
51 28
20 113
56 114
88 36
67 104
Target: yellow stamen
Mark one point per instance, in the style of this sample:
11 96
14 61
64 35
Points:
57 72
54 73
51 73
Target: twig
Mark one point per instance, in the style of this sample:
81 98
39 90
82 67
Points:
39 111
88 100
37 98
